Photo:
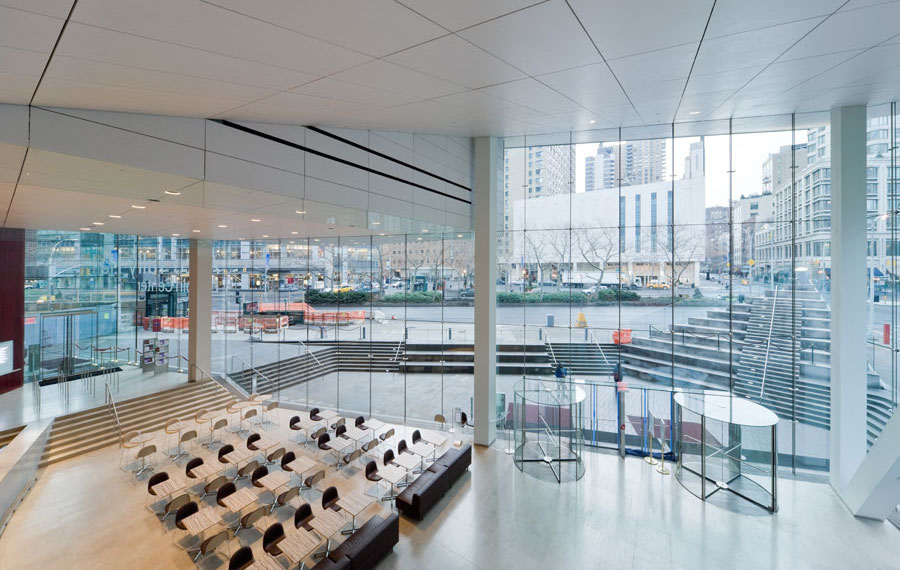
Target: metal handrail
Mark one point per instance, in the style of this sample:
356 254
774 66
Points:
111 405
397 351
309 352
600 348
762 384
277 381
673 330
549 344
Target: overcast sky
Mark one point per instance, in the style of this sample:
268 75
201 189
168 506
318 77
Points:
749 152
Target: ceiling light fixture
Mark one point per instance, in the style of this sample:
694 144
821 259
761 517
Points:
171 192
301 211
115 216
591 122
254 219
136 207
176 235
693 112
376 223
293 233
97 223
196 231
222 226
265 236
85 229
381 234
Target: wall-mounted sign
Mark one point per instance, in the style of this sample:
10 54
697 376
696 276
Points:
6 357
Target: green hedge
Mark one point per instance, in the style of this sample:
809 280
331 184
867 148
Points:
316 297
414 297
575 297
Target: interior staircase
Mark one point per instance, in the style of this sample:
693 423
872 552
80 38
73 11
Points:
88 430
8 435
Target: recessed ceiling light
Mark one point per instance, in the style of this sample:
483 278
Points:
85 229
376 223
136 207
591 122
418 238
97 223
27 174
175 235
293 233
424 231
222 226
459 235
265 236
115 216
301 211
317 239
254 219
381 234
694 113
196 231
171 192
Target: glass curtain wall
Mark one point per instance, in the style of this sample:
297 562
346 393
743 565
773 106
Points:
92 298
692 256
372 325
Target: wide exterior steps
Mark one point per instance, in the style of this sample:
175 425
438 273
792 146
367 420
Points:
585 358
81 432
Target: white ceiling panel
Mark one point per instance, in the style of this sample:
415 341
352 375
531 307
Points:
661 65
757 47
98 44
204 26
387 76
330 88
460 14
662 24
537 40
849 30
55 8
373 27
297 109
593 86
535 95
457 60
28 30
735 16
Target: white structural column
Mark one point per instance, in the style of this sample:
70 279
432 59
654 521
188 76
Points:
488 158
848 293
200 308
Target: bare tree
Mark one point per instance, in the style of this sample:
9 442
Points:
679 249
535 245
597 247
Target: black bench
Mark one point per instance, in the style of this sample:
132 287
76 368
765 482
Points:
366 547
423 493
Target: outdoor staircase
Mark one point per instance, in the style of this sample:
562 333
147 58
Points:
585 359
81 432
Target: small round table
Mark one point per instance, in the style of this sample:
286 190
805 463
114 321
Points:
726 443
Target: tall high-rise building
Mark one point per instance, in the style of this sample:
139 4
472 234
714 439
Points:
643 162
533 172
600 169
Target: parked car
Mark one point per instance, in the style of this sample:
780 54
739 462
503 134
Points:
467 293
657 284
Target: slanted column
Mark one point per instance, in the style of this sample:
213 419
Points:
488 158
848 293
200 309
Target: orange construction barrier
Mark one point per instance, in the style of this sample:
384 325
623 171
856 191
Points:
622 336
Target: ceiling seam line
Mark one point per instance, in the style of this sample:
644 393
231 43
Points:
600 53
694 61
59 36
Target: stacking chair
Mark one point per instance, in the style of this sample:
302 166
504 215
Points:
310 482
246 471
267 414
198 417
340 431
213 486
224 492
186 438
250 519
388 457
182 513
441 420
217 427
273 457
314 415
248 415
302 517
349 458
369 446
127 446
402 448
223 451
211 544
285 497
387 435
154 479
323 443
251 440
372 475
258 474
173 505
233 413
464 421
285 460
330 498
339 422
294 424
168 432
143 454
314 436
416 436
360 422
273 535
242 559
190 465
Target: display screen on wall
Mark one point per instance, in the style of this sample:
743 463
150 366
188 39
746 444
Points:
6 357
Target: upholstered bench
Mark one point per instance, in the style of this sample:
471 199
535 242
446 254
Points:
423 493
366 547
